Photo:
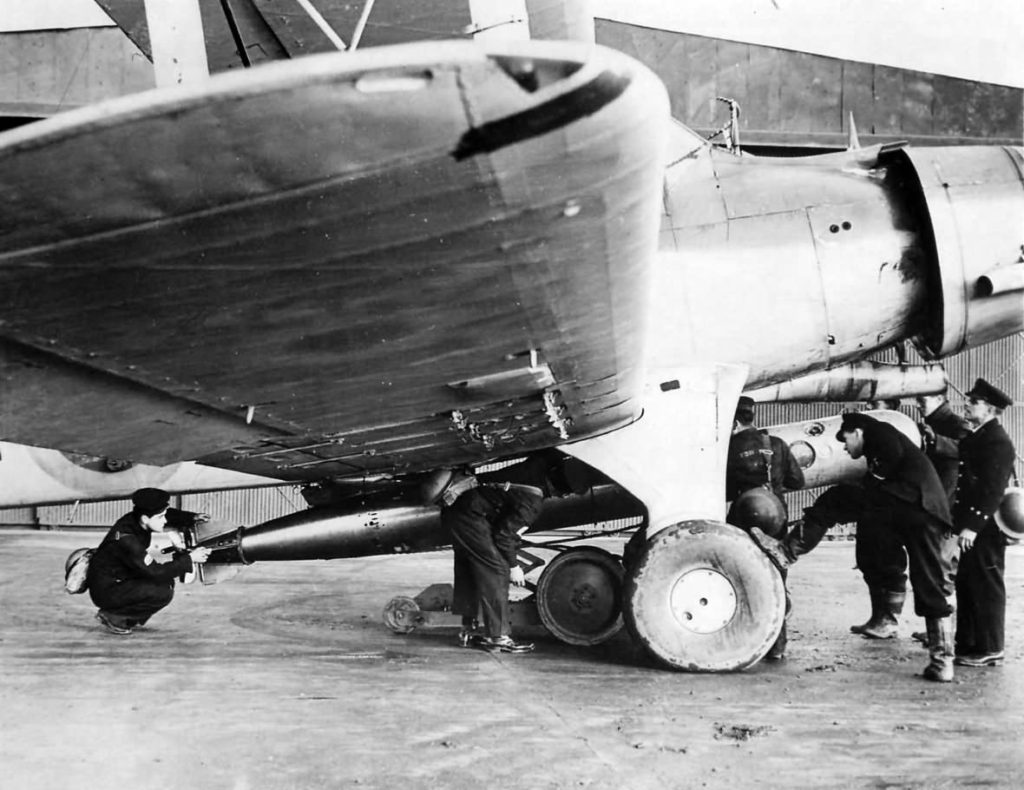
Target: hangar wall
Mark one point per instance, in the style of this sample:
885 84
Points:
50 71
800 99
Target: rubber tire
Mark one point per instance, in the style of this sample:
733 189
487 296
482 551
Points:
607 576
697 545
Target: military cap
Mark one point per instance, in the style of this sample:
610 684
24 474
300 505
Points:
853 420
745 408
982 390
150 501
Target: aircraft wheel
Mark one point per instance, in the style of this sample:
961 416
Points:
401 614
703 597
579 596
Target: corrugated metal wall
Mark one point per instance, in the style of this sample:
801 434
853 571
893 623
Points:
1000 363
243 507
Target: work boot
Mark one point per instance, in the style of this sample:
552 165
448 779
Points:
875 615
777 652
884 623
940 649
503 644
108 621
980 659
470 635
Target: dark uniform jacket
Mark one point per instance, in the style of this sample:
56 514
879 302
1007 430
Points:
499 512
942 445
986 463
897 468
748 465
121 556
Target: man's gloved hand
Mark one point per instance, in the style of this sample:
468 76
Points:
517 576
200 554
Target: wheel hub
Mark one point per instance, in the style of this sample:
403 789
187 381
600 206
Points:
703 601
583 597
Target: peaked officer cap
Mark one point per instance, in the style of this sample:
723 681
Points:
982 390
150 501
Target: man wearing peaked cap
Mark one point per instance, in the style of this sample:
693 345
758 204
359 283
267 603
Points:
900 505
123 580
150 501
986 464
994 396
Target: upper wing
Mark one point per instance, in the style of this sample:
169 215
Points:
382 260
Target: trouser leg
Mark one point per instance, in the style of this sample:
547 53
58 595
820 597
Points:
930 552
493 586
880 555
134 601
882 560
981 595
482 574
838 505
778 650
465 599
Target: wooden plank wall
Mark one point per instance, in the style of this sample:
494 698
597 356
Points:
49 71
798 98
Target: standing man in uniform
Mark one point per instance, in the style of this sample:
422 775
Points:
757 460
942 429
900 495
125 582
986 464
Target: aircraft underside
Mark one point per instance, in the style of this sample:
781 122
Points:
362 268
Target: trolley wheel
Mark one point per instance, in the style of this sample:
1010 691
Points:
402 614
579 596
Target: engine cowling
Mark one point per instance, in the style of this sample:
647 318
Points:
973 199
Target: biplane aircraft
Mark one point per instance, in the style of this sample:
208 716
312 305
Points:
352 269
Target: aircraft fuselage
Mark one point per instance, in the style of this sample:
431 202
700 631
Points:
791 265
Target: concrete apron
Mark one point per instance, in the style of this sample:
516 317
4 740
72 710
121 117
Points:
286 677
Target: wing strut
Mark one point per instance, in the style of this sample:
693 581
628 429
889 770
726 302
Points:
321 23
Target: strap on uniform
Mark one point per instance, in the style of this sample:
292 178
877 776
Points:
767 454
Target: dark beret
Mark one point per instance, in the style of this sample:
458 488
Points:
150 501
982 390
853 420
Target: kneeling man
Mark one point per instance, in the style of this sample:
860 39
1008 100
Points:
125 582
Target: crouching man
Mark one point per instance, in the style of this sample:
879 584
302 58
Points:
485 520
125 582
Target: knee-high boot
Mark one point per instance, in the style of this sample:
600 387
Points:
886 606
940 649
